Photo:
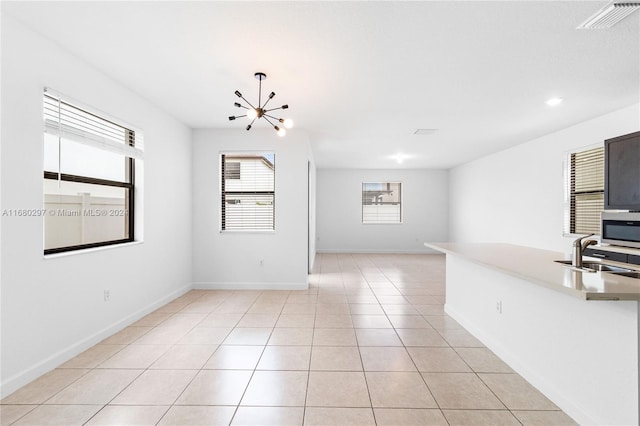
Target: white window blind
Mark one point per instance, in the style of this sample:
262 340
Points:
381 202
248 192
73 124
586 191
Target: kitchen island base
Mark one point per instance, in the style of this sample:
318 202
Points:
583 355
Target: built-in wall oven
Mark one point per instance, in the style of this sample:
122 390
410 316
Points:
621 228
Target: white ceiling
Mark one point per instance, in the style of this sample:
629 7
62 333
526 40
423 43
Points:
361 77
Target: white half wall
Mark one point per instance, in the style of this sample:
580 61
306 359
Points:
53 308
339 208
244 260
516 196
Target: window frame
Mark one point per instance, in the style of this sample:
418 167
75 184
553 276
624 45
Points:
570 206
400 202
224 192
128 184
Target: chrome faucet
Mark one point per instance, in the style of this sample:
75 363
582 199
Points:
578 250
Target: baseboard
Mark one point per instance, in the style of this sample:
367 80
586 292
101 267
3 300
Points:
519 367
375 251
18 380
249 286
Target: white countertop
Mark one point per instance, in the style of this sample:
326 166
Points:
537 266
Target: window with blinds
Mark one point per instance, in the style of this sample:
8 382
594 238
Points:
381 202
247 192
586 191
89 178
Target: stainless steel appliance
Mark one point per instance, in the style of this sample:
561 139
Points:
621 228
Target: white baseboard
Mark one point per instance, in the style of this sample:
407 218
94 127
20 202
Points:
249 286
30 374
375 251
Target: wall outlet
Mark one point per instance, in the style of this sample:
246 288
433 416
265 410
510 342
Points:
499 306
261 262
107 295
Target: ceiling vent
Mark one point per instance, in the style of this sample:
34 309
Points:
610 15
425 131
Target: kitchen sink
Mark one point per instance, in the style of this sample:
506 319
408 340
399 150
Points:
604 268
597 266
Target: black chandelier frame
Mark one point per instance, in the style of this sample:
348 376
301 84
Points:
260 111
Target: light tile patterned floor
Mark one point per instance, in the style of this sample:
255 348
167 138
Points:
368 343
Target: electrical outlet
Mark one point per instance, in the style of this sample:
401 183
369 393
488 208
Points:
261 262
499 306
107 295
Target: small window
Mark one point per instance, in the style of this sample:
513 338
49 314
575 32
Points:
248 192
585 191
381 202
89 178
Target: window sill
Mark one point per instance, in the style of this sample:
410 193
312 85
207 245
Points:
90 250
570 235
248 231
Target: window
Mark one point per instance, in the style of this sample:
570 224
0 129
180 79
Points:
248 192
232 170
89 178
381 202
585 191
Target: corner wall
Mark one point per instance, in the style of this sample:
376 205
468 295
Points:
424 211
53 308
516 196
252 260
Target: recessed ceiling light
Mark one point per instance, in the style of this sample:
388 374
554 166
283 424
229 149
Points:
554 101
400 157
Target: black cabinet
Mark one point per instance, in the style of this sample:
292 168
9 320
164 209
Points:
608 255
634 259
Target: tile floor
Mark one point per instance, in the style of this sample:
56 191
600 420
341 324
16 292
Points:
367 344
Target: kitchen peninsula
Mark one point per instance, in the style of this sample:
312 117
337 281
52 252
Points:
572 334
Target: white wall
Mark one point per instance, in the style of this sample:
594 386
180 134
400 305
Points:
233 259
312 210
516 196
53 308
339 203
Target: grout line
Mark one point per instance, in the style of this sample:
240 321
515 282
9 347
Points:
364 373
313 334
175 344
139 375
259 358
337 267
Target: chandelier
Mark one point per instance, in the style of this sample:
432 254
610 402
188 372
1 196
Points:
255 113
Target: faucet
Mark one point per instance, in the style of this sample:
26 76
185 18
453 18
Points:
578 250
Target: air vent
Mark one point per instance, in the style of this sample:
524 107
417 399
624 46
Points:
609 15
425 131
